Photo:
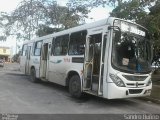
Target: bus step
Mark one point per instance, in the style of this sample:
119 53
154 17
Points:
88 82
43 78
91 92
95 78
95 86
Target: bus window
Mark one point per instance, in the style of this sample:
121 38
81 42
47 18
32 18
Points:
37 49
32 52
24 50
77 43
52 46
61 45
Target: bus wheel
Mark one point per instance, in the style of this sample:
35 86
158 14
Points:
33 75
75 86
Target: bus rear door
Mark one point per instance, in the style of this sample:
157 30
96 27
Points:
44 60
23 59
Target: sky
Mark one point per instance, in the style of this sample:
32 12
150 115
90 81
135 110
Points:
10 5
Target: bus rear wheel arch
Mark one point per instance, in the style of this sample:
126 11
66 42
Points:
75 86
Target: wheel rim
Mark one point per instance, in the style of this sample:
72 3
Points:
75 86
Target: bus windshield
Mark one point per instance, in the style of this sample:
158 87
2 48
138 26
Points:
131 51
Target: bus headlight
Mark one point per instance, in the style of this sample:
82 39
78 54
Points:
149 82
117 80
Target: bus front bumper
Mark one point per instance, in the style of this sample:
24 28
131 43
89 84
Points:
125 92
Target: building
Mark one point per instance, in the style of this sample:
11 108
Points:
5 53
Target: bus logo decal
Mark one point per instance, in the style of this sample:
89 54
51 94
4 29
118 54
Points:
67 60
58 61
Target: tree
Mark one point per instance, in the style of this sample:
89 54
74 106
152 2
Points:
3 36
41 16
94 3
104 3
24 20
129 10
16 56
153 24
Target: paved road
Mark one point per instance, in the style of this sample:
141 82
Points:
19 95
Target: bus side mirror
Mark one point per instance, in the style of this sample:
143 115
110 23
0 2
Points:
116 29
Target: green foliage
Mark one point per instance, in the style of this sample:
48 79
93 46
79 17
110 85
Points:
15 57
37 16
130 10
2 38
154 25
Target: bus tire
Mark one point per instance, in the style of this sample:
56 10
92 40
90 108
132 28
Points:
33 76
75 86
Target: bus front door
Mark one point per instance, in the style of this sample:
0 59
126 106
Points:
92 64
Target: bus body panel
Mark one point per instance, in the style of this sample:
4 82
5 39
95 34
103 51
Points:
58 73
35 63
57 70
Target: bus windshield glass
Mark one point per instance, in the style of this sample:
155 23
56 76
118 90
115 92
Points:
131 48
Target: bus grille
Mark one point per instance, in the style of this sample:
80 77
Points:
135 91
133 85
135 78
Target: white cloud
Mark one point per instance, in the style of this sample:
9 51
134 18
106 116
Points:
62 2
98 14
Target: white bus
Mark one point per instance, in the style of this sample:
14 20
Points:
109 58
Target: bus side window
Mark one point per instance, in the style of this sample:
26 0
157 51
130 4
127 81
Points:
77 43
37 48
52 46
61 45
24 50
58 48
32 53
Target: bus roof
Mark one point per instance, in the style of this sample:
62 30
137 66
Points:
79 28
71 30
